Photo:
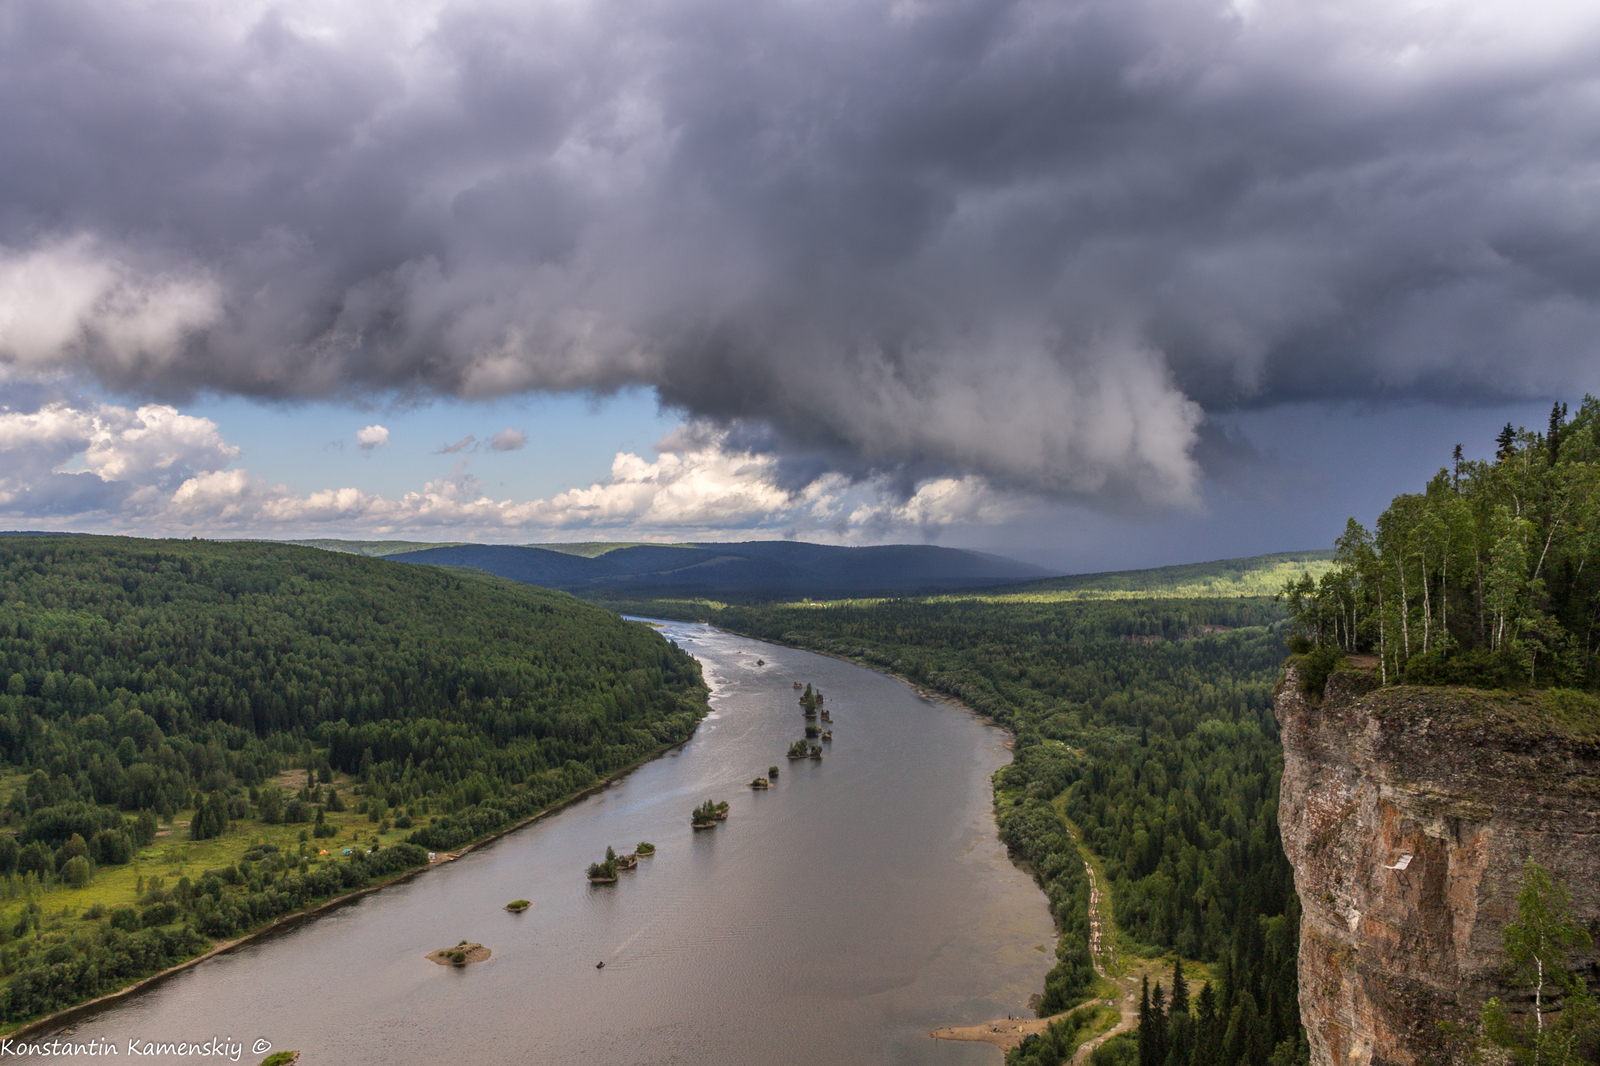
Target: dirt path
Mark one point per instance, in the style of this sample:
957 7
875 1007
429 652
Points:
1129 1020
1102 948
1103 951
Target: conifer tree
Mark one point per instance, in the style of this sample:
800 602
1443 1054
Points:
1553 438
1180 1023
1158 1025
1146 1034
1505 443
1180 990
1245 1043
1208 1030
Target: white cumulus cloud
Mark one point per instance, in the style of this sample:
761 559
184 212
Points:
372 438
156 470
132 460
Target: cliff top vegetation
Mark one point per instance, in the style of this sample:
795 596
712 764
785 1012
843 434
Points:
1481 579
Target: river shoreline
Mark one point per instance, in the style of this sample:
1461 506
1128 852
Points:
76 1014
980 1031
66 1015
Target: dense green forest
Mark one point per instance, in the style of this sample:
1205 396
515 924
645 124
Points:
1147 725
1482 578
147 679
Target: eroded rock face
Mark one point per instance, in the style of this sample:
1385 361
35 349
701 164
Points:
1470 789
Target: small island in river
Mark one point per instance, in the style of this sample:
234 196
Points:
460 955
708 814
604 873
517 906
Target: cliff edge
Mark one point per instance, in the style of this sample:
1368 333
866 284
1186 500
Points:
1469 785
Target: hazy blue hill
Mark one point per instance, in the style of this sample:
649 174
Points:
376 548
531 566
787 567
382 548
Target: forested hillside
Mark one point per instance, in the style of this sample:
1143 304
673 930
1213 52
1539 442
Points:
1146 723
1487 577
171 682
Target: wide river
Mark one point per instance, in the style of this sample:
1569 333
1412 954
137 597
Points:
834 919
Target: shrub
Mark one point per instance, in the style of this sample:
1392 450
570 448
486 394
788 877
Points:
158 914
77 871
1120 1050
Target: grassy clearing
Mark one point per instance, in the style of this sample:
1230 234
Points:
1260 575
173 855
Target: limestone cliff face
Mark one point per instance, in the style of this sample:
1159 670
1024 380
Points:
1467 786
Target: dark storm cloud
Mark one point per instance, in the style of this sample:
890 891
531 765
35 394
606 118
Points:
1035 241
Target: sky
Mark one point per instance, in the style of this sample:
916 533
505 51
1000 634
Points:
1092 283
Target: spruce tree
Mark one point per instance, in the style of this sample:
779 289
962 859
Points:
1505 441
1158 1025
1553 438
1208 1030
1146 1034
1180 1038
1245 1044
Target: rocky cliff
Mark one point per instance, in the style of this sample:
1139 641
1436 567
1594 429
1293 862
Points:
1469 786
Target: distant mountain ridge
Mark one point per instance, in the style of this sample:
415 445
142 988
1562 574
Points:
764 566
382 548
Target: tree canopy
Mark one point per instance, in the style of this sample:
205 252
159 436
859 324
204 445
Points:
140 679
1489 576
1144 734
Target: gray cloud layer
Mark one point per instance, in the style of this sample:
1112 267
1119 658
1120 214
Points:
1032 240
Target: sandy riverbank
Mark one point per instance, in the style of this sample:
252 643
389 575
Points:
1003 1033
1007 1033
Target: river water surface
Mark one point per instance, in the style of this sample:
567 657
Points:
834 919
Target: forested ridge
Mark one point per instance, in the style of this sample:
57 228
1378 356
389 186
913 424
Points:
150 682
1490 576
1146 722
